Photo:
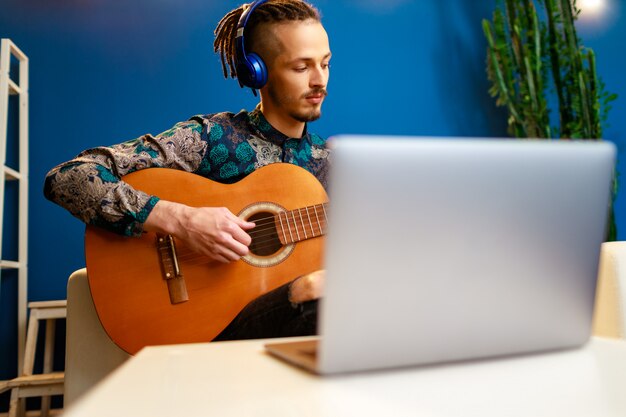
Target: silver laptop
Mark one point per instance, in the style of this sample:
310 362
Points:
442 250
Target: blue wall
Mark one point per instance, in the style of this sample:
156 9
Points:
103 72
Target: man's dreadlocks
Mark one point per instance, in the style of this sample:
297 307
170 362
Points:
274 11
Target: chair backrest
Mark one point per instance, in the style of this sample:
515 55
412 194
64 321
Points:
90 353
610 309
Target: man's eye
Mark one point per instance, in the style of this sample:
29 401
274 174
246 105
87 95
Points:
300 69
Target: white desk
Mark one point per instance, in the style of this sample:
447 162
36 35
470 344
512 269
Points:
240 379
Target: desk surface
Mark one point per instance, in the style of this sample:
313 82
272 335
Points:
240 379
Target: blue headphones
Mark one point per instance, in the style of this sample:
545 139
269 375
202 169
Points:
251 70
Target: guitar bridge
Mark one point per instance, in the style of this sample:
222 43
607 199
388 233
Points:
171 269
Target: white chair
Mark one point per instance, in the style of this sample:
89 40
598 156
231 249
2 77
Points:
45 384
90 354
610 310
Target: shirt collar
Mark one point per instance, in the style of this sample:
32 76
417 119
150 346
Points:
267 131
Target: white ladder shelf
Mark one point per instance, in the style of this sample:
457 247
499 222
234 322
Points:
8 52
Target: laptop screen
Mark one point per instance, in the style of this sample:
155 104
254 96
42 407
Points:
442 249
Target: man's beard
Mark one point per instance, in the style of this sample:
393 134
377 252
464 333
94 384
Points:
306 117
301 116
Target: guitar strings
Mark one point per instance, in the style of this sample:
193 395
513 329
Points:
314 207
299 215
186 254
299 219
268 228
266 231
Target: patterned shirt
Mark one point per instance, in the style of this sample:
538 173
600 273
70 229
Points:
224 147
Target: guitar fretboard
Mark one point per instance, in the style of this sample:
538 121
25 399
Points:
301 224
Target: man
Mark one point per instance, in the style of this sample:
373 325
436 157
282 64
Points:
225 147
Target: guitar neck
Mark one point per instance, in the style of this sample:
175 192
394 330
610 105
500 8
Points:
301 224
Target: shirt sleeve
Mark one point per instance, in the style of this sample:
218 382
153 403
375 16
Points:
90 186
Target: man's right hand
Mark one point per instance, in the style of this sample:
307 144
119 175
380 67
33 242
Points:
211 231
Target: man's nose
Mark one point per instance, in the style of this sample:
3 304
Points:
319 78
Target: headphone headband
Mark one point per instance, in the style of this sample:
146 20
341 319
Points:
250 68
245 16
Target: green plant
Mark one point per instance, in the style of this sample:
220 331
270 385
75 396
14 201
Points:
533 49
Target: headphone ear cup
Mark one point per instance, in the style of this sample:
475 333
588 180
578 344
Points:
257 71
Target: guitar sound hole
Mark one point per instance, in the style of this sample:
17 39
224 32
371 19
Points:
265 241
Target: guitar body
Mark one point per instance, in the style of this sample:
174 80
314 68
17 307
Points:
127 277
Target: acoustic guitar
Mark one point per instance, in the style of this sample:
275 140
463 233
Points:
153 290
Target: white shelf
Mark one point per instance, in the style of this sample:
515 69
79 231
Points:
8 87
14 89
12 174
9 265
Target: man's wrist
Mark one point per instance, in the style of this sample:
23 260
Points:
164 217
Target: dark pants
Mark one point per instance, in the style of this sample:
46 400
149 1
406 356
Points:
272 315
